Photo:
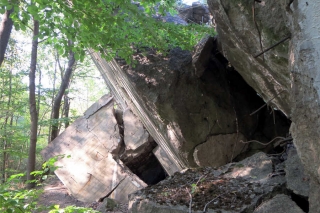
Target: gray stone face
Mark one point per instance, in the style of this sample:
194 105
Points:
165 161
197 13
279 204
304 54
258 167
136 205
219 150
104 100
134 133
314 195
240 42
87 166
107 205
304 64
289 73
297 180
202 55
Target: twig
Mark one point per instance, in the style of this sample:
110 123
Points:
205 207
201 178
42 40
73 179
112 190
285 140
190 202
261 107
276 44
274 116
255 141
237 125
265 104
284 149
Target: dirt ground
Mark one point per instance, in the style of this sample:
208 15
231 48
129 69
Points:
55 193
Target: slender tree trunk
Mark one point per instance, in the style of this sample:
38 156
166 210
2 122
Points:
4 159
39 92
5 31
57 101
33 106
6 137
39 97
66 109
52 98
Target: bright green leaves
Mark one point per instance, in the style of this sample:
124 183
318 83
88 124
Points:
5 5
79 55
32 9
72 209
17 200
115 25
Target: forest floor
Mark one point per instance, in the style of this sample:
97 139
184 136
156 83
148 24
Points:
201 185
55 193
197 189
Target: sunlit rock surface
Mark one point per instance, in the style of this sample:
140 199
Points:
87 156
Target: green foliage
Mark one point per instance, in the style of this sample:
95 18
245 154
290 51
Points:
71 209
83 91
13 117
15 199
193 188
111 27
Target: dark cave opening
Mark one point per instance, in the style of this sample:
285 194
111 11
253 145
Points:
302 202
146 165
255 119
142 162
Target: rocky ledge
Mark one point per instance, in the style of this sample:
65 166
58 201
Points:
256 184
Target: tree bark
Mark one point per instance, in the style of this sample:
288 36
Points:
66 109
52 98
33 106
5 31
57 101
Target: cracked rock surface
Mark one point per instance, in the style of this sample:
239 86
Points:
87 156
235 187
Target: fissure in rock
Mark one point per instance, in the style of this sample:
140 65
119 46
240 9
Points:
141 161
145 166
302 202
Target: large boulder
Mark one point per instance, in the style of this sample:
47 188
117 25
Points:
196 13
87 156
194 104
135 134
185 99
243 34
220 148
304 65
288 74
297 179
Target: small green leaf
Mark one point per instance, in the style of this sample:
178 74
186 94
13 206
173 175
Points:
32 9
